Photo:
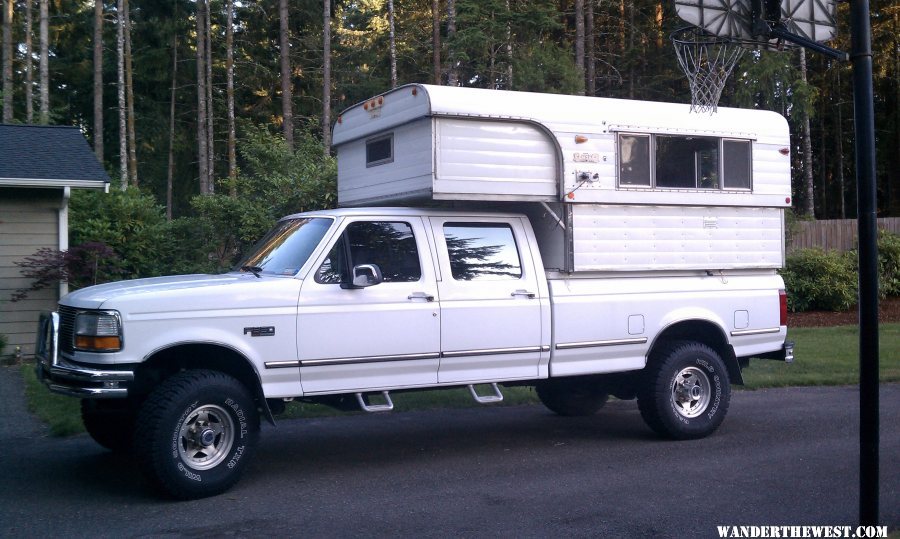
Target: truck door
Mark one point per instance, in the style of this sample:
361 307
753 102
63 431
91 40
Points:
381 336
490 300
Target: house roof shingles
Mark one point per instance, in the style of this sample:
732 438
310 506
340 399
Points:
48 156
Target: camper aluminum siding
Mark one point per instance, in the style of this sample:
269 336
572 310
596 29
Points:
432 143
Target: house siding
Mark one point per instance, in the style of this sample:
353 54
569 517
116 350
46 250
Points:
29 220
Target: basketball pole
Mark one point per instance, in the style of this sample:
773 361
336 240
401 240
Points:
866 208
864 120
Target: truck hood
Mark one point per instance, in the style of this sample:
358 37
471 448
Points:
179 292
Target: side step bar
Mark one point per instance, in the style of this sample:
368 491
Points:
386 407
486 399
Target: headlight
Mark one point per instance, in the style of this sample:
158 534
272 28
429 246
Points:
98 331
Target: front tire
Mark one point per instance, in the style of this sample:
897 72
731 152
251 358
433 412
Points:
573 397
195 433
685 391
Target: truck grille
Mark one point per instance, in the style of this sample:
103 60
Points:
66 329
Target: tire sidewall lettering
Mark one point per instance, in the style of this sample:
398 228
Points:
659 407
177 433
233 407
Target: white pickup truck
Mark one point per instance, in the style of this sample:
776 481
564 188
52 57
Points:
581 300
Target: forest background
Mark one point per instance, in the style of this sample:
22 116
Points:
216 114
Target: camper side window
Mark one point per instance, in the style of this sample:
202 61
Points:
634 160
380 150
683 162
687 162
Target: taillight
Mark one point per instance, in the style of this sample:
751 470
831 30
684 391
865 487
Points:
782 305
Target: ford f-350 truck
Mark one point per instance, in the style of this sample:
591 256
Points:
563 249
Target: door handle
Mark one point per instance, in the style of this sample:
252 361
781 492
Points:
526 293
420 295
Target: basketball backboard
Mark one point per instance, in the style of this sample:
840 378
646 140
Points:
753 21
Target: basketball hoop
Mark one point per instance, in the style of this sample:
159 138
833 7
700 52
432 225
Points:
707 60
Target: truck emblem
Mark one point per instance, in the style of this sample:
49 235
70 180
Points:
267 331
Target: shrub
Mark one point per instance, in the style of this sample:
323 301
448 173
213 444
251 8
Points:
819 280
134 226
82 265
888 263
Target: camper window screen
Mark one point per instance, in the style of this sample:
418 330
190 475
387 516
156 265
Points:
736 155
380 150
634 160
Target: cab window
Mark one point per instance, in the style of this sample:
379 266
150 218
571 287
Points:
390 245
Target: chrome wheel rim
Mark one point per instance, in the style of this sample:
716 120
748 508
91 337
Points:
691 392
205 437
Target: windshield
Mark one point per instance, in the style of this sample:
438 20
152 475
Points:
286 247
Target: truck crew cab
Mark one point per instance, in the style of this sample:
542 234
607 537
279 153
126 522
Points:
583 246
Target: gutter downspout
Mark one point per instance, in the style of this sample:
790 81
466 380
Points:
63 231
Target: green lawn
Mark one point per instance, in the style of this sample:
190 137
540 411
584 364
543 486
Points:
824 356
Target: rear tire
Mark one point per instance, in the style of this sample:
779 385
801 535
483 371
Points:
195 433
571 397
685 391
110 423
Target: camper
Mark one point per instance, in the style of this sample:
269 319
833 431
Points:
581 246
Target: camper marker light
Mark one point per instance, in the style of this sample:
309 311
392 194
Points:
785 151
580 139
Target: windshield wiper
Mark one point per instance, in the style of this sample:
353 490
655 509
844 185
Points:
255 270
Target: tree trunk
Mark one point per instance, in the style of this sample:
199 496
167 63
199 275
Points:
120 88
436 39
202 140
285 60
229 96
7 61
452 72
326 77
809 205
393 44
509 48
579 44
631 32
589 42
170 169
45 62
129 100
98 79
210 115
29 65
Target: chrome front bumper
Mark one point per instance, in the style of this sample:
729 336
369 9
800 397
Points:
68 378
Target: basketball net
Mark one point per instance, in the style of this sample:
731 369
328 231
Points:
708 61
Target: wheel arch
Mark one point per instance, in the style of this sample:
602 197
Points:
165 362
705 332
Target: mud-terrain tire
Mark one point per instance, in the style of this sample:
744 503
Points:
685 391
572 397
110 423
195 434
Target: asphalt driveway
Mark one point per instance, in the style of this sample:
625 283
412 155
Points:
782 457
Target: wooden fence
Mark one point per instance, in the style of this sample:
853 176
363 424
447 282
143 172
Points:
833 234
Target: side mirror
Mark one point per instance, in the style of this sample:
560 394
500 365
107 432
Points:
365 275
